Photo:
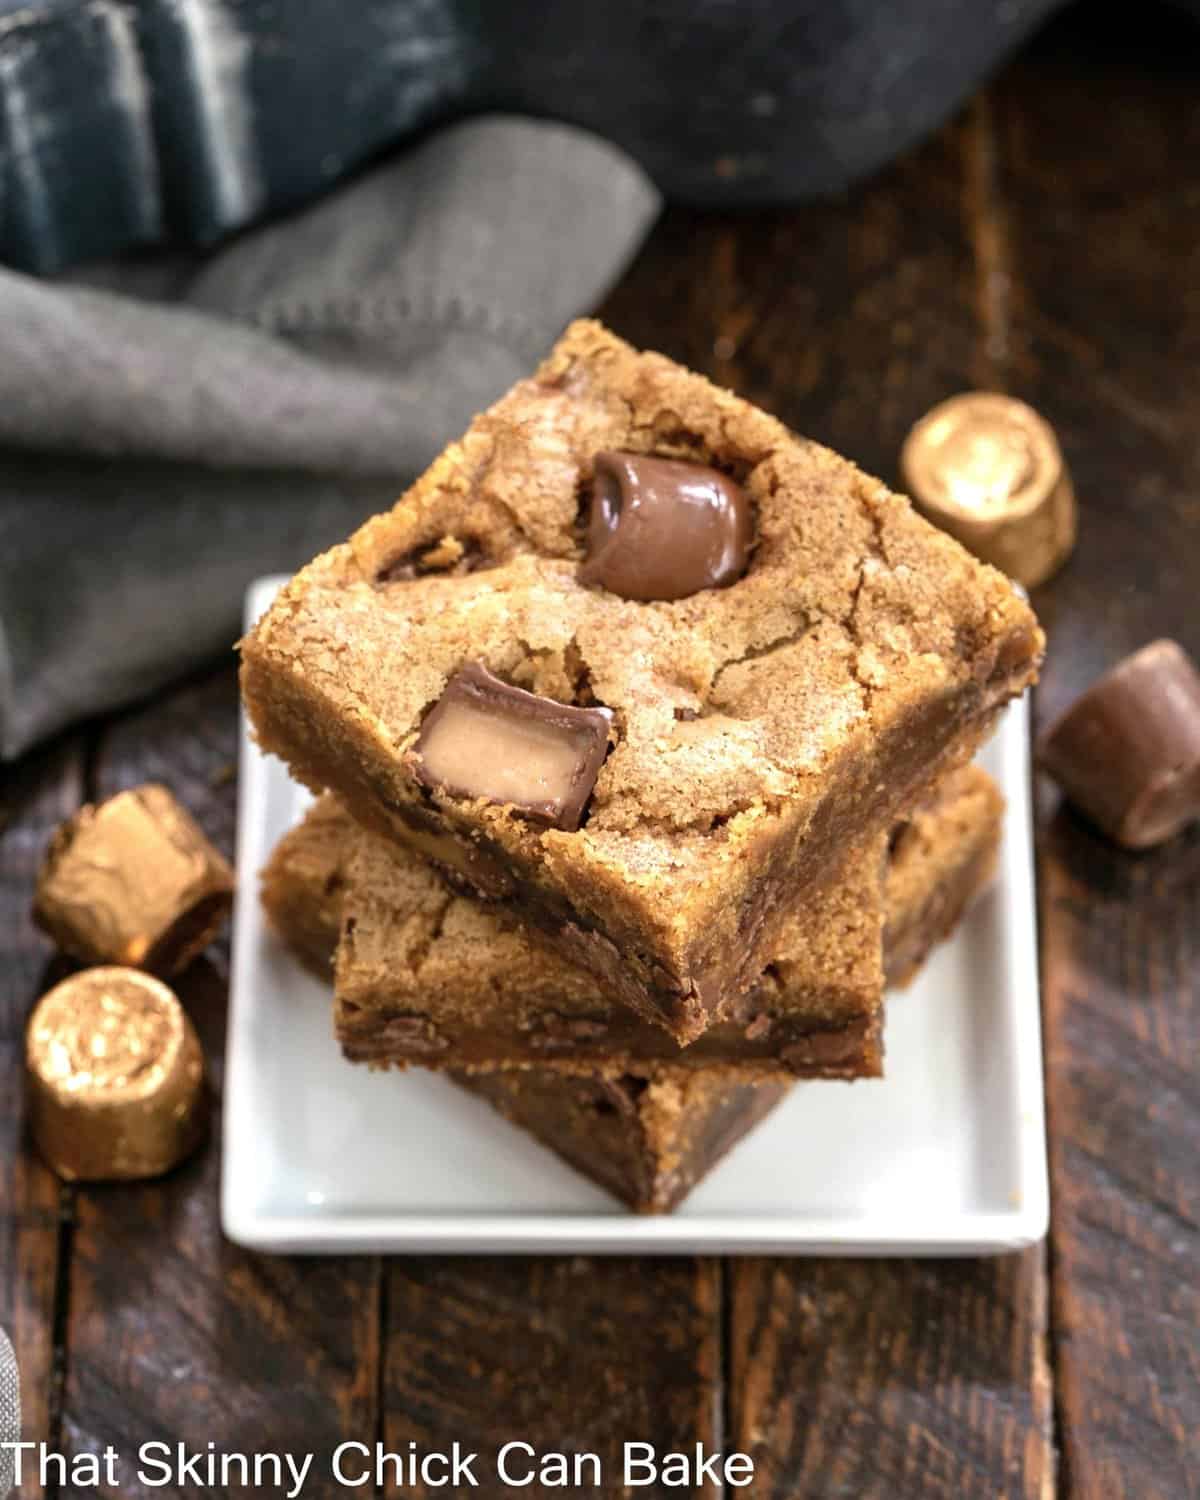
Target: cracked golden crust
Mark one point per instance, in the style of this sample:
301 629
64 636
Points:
747 717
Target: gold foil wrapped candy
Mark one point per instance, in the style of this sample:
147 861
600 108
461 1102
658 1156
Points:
114 1077
988 469
133 881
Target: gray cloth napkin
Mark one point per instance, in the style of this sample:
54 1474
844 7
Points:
170 431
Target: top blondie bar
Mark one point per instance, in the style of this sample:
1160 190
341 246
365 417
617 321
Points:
677 767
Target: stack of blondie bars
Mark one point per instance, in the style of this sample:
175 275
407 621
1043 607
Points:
642 730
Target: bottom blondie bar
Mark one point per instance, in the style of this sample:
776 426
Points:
429 977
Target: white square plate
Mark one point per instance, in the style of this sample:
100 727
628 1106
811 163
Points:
947 1155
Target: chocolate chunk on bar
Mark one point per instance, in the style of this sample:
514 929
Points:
659 528
765 729
486 739
1127 753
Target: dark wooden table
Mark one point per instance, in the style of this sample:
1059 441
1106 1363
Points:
1047 243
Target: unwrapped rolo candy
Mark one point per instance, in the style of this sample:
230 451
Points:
484 738
1127 751
662 528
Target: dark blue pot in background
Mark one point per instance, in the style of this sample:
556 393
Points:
133 124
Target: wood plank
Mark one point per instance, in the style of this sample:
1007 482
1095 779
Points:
1121 966
36 794
574 1354
172 1333
892 1378
1104 211
878 1379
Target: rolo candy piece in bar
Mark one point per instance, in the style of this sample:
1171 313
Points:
486 739
1127 752
662 529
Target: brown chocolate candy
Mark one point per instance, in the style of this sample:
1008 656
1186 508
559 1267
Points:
662 529
133 881
486 739
1127 753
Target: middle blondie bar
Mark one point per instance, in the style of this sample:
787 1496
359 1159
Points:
425 976
428 976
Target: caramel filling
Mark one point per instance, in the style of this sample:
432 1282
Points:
477 754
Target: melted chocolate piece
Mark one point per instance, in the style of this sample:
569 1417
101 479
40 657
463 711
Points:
451 557
486 739
551 1030
662 529
1127 752
417 1035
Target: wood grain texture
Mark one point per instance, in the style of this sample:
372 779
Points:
846 320
573 1354
173 1333
36 795
1099 146
1121 964
1103 213
880 1379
